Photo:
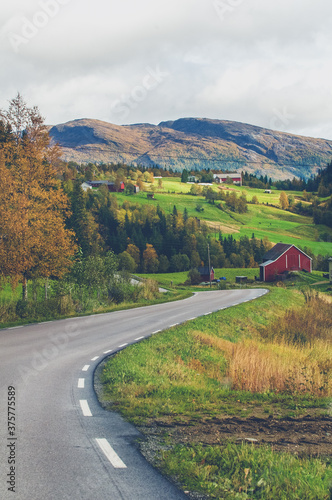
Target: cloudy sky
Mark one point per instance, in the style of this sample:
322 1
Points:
264 62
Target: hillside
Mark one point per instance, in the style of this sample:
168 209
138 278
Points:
194 143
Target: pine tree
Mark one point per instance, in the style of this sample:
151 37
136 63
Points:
184 175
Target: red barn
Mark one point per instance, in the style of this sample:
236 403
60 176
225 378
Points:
281 259
221 178
206 273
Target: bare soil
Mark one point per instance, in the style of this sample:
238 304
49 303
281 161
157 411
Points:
309 435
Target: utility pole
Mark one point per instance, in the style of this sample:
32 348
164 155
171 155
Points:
209 265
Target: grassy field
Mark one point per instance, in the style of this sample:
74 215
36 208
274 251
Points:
175 279
178 279
231 365
262 220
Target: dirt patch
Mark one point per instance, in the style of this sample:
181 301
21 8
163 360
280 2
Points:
304 436
216 226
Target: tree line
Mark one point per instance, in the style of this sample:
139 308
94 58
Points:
321 183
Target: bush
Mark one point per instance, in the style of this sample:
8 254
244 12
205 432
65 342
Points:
22 309
194 277
116 294
7 312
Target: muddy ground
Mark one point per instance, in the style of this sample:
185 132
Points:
309 435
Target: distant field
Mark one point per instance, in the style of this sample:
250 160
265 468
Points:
175 279
179 278
262 220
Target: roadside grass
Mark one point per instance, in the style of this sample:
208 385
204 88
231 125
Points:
14 311
245 472
185 371
245 361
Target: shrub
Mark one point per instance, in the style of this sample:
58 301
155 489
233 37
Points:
22 308
194 276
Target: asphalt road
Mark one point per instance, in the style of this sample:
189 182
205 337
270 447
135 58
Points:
60 444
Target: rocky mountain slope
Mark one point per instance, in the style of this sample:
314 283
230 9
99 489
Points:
194 143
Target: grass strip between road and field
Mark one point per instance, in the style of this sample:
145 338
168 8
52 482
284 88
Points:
232 363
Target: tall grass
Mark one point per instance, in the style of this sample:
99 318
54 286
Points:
259 367
305 326
291 354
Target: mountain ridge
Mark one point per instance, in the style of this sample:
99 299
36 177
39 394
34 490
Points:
194 143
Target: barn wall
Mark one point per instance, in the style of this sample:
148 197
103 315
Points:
292 260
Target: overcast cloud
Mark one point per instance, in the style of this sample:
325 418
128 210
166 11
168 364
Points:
264 62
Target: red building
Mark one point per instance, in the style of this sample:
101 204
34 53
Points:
224 177
281 259
206 273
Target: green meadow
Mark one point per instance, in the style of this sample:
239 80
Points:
263 220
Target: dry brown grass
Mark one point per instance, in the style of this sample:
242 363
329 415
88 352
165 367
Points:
256 366
306 325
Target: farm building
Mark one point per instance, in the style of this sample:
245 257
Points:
110 185
85 186
206 273
281 259
236 178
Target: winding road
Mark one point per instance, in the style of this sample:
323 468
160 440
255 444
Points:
59 443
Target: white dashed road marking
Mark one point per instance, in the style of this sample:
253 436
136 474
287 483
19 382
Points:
85 408
123 345
95 358
81 382
85 368
107 352
110 454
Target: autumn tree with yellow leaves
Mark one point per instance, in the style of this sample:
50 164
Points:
34 242
283 200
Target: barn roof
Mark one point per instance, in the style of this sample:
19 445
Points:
205 270
278 250
267 263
